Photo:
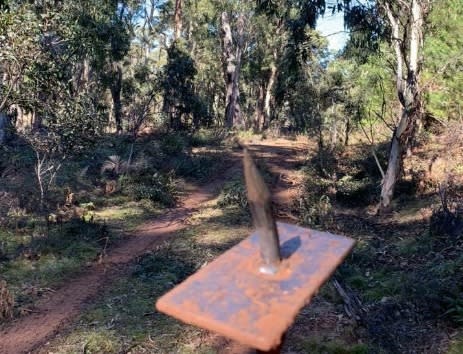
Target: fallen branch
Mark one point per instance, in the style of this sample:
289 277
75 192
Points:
352 304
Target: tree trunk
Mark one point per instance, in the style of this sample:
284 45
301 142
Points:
36 121
116 88
409 95
178 23
231 55
394 167
347 131
334 125
260 115
269 90
3 127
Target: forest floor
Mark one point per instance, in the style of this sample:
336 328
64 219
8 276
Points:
53 313
109 307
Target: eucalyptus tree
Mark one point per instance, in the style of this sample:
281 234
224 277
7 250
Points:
233 45
406 26
289 47
202 35
268 40
54 60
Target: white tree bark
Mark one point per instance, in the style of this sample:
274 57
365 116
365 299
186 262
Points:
178 21
407 89
269 89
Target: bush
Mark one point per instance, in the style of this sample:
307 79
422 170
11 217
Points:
315 212
356 192
173 144
234 195
197 166
158 188
204 137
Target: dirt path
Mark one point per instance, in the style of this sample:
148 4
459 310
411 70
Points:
52 314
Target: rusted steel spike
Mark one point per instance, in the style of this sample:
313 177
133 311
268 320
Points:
260 204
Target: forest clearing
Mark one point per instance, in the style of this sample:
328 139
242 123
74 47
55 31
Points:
122 126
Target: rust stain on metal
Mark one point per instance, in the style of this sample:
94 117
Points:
230 296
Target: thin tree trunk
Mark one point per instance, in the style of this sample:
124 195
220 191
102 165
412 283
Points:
38 173
347 131
3 126
334 125
392 174
260 115
116 88
409 96
269 90
36 121
178 23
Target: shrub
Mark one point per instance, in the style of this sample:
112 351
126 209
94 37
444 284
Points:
204 137
357 192
315 211
158 188
173 144
234 195
197 166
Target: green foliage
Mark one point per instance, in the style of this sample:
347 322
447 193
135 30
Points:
158 188
124 316
455 309
234 194
199 167
443 64
456 346
114 164
173 144
317 347
34 263
351 191
207 137
180 101
367 31
315 212
100 342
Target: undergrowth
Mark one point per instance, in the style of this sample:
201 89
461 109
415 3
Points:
33 266
124 318
101 189
406 269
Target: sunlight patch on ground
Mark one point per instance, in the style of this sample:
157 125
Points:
119 212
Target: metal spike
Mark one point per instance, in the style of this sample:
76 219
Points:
260 203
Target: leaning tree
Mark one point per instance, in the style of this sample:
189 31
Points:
405 25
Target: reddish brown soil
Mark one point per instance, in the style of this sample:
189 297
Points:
54 313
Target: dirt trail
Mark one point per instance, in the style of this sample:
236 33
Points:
53 313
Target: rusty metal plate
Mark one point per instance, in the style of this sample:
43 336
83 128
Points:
231 297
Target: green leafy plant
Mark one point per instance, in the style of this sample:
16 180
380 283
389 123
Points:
158 188
173 144
313 211
234 195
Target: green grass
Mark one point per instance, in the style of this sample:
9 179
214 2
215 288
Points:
36 263
313 346
398 263
33 258
124 318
